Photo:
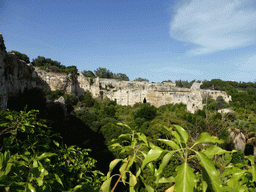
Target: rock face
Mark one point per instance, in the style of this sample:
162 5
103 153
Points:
226 110
16 75
195 99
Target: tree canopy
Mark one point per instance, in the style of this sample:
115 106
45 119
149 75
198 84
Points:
21 56
141 79
105 73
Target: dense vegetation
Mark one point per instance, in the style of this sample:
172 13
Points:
21 56
148 144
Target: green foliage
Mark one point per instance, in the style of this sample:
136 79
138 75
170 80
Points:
184 84
237 157
88 73
52 95
21 56
121 76
215 173
31 161
146 111
105 73
54 66
70 99
87 99
141 79
221 103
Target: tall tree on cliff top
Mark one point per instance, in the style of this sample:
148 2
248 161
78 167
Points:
103 73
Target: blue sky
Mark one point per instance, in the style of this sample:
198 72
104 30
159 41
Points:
154 39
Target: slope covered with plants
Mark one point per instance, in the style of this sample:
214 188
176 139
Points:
153 149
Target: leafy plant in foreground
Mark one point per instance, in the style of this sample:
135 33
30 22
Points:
39 163
226 177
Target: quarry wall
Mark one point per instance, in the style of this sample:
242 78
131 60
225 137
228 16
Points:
16 75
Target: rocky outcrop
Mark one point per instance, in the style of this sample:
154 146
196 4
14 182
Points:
226 110
3 87
195 99
240 140
54 81
16 75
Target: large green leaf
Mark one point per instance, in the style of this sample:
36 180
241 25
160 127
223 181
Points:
177 136
143 138
44 155
185 179
170 143
165 161
132 181
182 132
206 138
152 155
213 150
124 125
236 181
252 169
112 166
166 180
58 179
106 185
131 161
209 172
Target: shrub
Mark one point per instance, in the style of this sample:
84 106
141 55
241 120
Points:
70 99
87 99
199 174
146 111
33 161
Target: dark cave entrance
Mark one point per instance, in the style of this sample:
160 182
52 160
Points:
144 100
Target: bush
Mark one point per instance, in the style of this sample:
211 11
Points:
70 99
35 162
210 170
87 99
237 157
146 111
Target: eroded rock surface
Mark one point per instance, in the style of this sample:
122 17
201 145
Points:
16 75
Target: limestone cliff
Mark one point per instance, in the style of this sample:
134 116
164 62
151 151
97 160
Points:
16 75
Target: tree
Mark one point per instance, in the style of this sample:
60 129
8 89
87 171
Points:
103 73
88 73
146 111
87 99
121 76
21 56
141 79
220 102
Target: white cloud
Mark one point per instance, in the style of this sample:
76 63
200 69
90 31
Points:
215 25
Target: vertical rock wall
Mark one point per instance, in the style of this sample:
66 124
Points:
16 75
3 88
